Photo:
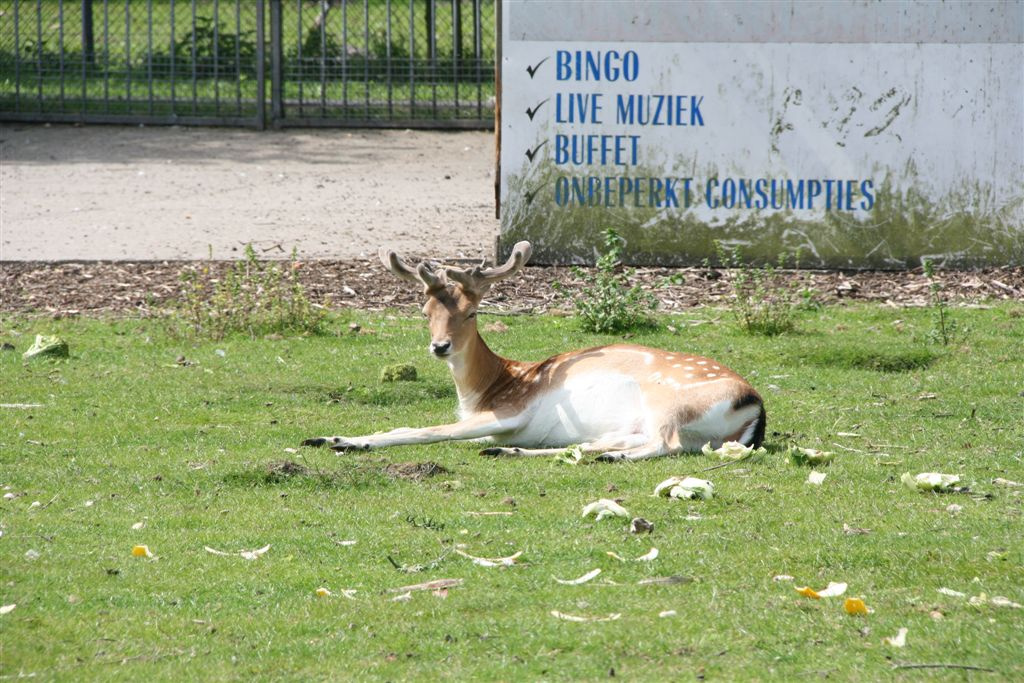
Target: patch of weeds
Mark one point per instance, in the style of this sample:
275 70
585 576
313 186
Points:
945 329
210 39
253 297
903 360
607 304
764 300
288 473
392 394
414 471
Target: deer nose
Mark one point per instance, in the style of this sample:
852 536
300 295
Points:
441 348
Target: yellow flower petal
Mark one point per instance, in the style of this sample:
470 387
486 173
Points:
807 592
855 606
141 551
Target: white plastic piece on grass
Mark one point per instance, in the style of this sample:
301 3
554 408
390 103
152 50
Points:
930 481
1000 601
685 488
322 592
6 609
646 557
816 478
604 507
952 593
667 613
491 562
346 543
572 617
31 554
247 554
898 640
649 556
833 590
782 577
576 582
733 451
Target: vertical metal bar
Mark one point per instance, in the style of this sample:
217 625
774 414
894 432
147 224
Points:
174 94
387 8
39 55
88 41
412 60
17 58
324 9
366 47
216 55
344 58
60 29
276 96
106 56
195 60
456 47
432 32
478 56
128 52
261 78
302 70
149 52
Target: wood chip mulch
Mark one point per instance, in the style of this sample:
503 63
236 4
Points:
141 288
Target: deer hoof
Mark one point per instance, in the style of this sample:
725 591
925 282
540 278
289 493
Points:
342 446
316 442
610 457
498 451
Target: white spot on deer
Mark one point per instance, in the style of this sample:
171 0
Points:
677 365
702 362
711 374
689 367
715 367
670 357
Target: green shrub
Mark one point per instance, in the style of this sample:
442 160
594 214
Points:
764 300
945 329
253 297
607 304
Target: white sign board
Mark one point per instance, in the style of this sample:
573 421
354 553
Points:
861 134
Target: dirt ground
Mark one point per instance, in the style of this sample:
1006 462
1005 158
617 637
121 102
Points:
176 193
104 218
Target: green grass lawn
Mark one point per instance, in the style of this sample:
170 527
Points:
127 435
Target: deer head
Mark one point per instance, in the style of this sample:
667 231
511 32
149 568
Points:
453 295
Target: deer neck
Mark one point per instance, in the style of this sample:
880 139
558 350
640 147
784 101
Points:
476 369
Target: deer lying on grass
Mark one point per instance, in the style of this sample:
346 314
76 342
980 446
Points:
624 402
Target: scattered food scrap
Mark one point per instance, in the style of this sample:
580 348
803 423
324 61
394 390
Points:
898 640
605 507
685 488
930 481
810 456
572 617
833 590
581 580
247 554
142 551
491 562
734 451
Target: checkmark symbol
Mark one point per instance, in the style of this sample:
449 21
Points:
533 69
530 153
532 112
533 193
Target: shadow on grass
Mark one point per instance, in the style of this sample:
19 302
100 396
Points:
877 360
291 474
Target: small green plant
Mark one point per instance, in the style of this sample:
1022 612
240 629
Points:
607 304
253 297
210 39
945 329
764 302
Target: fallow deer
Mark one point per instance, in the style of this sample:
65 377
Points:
623 402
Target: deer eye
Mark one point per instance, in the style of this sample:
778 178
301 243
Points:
471 315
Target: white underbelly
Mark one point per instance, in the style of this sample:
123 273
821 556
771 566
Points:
583 409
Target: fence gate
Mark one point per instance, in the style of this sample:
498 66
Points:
409 63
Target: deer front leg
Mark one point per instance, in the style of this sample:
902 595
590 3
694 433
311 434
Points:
475 427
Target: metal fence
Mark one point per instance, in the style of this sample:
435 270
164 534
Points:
426 63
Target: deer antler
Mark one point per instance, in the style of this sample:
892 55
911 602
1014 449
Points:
478 280
423 273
